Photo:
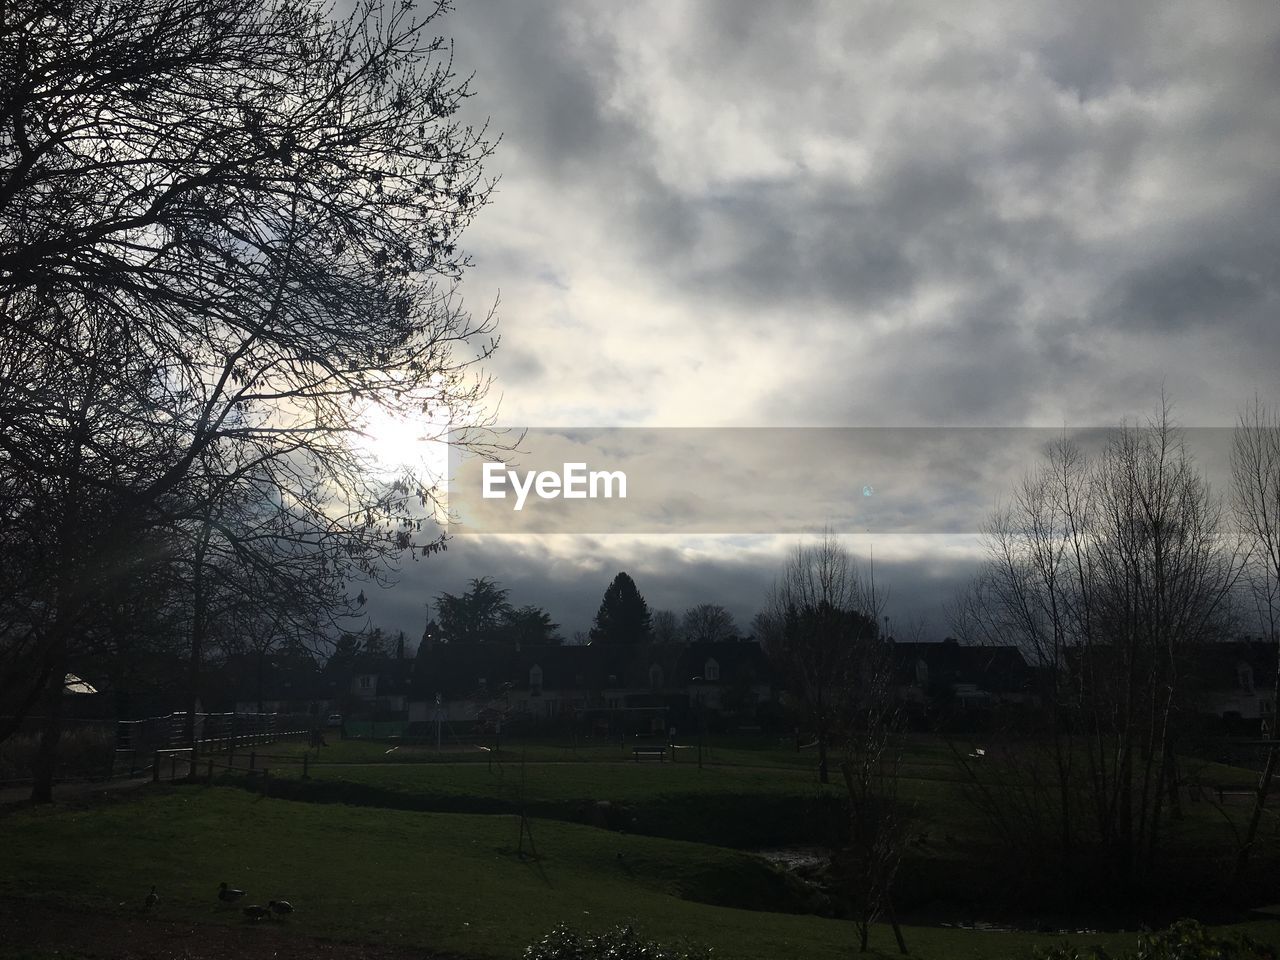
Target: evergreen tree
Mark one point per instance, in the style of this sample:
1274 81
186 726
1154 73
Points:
623 616
476 616
531 624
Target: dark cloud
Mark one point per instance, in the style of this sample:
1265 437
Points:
835 214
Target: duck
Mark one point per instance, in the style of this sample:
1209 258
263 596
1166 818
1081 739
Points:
256 911
282 908
228 894
152 898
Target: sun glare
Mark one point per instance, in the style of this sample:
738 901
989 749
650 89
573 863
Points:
398 443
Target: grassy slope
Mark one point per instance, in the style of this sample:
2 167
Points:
447 881
745 796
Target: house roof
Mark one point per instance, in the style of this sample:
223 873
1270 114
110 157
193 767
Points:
1218 665
998 669
455 670
276 676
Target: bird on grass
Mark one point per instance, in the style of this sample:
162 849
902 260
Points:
255 912
281 908
228 894
152 898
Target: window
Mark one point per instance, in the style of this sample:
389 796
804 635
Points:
550 706
655 677
711 670
366 683
535 681
1244 677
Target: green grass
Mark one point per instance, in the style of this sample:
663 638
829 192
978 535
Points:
447 882
726 805
752 794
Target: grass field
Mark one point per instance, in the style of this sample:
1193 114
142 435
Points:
376 848
449 882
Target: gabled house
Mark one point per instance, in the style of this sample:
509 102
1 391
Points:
964 676
602 688
1235 682
369 684
276 683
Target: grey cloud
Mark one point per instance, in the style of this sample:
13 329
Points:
885 214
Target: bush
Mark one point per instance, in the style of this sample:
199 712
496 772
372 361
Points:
620 943
84 752
1189 940
1185 940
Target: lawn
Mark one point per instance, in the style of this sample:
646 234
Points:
450 882
747 794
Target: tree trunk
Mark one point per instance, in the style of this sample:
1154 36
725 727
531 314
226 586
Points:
47 753
893 922
22 708
199 613
1255 816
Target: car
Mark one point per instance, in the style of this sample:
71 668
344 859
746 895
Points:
335 720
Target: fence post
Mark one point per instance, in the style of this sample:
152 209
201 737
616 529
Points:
253 759
173 767
305 775
155 767
133 764
266 777
209 781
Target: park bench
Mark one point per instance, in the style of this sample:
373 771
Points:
650 751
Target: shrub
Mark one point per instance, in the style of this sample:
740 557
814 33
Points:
1185 940
1067 951
1189 940
620 943
84 752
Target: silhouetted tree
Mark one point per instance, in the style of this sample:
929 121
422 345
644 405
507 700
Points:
623 616
227 231
475 616
531 625
708 623
821 612
1110 573
1255 464
665 627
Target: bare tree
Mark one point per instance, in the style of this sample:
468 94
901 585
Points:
708 623
665 627
870 768
1255 468
228 230
821 628
821 610
1109 574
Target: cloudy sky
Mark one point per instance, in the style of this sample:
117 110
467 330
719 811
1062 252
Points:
800 214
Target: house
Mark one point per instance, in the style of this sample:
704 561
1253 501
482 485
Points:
599 688
963 676
277 683
377 685
1235 682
